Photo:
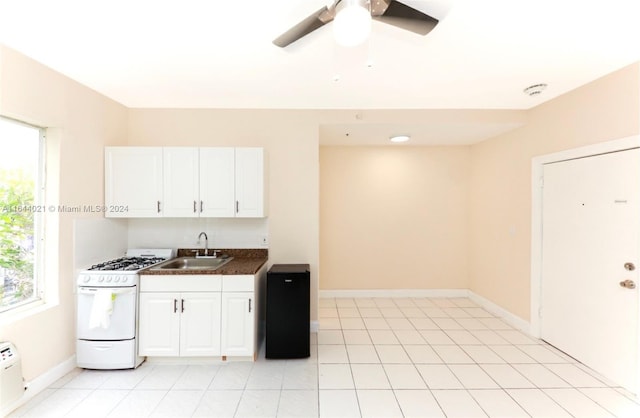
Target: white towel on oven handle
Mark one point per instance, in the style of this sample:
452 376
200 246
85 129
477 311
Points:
102 307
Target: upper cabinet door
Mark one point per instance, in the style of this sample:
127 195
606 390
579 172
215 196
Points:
217 194
133 181
250 183
181 182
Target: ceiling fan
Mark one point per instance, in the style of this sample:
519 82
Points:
388 11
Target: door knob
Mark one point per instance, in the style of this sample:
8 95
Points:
629 266
629 284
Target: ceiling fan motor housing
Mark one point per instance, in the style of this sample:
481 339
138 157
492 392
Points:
391 12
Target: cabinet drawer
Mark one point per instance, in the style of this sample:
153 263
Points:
181 283
243 283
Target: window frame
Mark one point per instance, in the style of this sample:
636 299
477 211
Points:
39 297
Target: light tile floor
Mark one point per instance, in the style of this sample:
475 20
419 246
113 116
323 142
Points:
383 357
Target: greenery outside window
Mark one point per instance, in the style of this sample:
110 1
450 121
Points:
21 213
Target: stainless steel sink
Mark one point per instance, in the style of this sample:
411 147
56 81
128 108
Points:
192 263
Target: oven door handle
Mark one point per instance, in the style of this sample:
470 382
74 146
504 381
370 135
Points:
114 290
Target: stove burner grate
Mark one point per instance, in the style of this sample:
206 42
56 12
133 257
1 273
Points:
127 263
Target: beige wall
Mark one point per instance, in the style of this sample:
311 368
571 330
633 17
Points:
81 122
500 199
393 217
494 203
291 142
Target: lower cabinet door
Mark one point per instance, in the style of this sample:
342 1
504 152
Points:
238 321
200 324
159 324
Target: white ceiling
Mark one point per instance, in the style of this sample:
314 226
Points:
218 54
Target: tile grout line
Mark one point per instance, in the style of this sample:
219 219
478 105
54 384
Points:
540 360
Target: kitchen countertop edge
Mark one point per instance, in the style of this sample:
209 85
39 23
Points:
237 266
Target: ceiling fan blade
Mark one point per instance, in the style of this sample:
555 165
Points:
399 14
306 26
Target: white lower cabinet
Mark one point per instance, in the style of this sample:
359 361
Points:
199 315
159 325
179 324
238 323
200 325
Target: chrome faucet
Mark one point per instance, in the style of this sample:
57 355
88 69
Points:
206 242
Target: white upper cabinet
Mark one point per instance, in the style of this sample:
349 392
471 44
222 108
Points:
250 183
182 182
133 182
217 185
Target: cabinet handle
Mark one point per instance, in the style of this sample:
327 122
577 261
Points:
249 305
201 206
237 206
158 206
175 305
182 305
194 206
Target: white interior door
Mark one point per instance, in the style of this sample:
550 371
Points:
591 218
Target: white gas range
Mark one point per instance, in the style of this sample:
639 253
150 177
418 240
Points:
107 315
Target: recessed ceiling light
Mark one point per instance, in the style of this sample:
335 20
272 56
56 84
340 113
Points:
399 138
535 89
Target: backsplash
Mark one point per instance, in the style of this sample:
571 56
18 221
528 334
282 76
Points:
96 240
231 252
183 232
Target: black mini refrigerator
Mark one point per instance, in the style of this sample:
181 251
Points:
287 311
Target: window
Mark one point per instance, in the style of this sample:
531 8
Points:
21 212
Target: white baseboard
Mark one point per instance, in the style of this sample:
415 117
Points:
507 316
395 293
181 361
40 383
314 326
511 319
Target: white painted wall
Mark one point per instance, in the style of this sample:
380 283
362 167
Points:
80 123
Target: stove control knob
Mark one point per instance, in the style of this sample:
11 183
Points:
125 279
86 279
117 279
109 278
101 279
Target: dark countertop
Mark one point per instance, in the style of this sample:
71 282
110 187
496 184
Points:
245 261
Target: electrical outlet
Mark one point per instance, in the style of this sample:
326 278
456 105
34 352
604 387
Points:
264 240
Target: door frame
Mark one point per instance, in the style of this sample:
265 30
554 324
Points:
537 175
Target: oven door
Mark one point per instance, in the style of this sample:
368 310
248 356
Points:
122 319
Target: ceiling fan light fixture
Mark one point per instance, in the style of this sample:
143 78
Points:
352 24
